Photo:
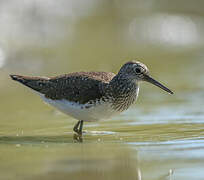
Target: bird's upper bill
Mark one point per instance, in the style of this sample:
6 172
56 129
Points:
156 83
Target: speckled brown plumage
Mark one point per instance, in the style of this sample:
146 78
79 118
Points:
79 87
90 88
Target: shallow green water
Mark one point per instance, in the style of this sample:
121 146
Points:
161 137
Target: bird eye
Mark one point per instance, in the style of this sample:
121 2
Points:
138 70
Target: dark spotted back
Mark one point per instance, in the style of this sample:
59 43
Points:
76 87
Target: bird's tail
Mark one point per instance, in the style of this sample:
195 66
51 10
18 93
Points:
39 84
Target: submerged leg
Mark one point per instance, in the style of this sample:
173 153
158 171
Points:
78 127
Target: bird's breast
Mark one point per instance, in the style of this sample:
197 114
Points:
124 100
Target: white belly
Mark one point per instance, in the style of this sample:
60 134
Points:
80 112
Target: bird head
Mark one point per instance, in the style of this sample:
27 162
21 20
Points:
137 71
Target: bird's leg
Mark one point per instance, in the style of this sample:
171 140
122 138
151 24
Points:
81 127
75 129
78 127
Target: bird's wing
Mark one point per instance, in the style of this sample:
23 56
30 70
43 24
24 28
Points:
76 87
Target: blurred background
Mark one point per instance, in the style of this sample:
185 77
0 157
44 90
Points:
160 137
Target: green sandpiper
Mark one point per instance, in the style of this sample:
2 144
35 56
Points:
92 96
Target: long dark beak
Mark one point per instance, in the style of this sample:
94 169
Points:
156 83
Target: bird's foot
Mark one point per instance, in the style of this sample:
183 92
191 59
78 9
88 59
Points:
77 138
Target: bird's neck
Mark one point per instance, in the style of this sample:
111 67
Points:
124 91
